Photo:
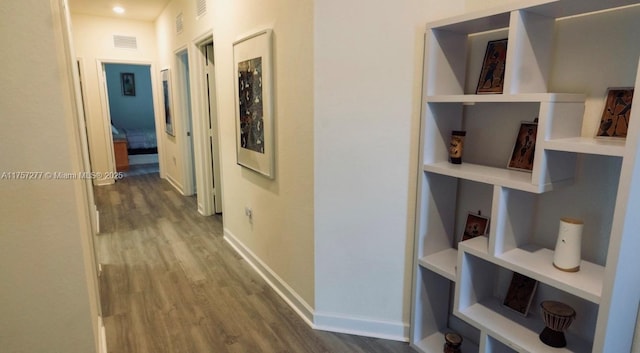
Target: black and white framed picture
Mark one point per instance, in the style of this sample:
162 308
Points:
252 58
128 81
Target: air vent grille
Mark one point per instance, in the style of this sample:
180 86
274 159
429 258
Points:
125 42
201 7
179 23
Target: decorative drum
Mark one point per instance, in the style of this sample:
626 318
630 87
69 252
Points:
557 319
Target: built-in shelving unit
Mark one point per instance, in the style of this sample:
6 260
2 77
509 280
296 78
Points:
460 285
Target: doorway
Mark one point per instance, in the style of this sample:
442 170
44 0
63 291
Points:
206 132
184 91
214 136
132 117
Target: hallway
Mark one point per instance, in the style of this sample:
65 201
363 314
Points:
170 283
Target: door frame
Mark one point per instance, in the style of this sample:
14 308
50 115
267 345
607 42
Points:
106 114
186 111
200 108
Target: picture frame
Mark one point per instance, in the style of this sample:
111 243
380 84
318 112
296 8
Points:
520 293
475 226
128 82
252 58
617 107
524 148
166 100
491 80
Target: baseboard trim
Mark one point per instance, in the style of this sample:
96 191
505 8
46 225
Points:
396 331
287 293
102 338
175 184
103 182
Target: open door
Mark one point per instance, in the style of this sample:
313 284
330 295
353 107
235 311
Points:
213 127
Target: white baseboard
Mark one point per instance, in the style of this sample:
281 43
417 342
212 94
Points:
103 182
143 159
97 219
102 338
396 331
175 184
287 293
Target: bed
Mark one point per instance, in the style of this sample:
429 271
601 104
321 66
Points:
139 141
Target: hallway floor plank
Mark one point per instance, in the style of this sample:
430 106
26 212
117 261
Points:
171 284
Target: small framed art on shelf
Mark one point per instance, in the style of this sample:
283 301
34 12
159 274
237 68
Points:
614 122
476 225
524 147
520 293
493 66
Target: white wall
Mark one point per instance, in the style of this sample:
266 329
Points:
93 41
281 235
47 304
368 74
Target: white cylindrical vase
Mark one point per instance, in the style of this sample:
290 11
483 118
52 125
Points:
567 254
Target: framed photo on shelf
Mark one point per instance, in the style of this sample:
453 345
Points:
614 122
520 293
476 225
252 58
525 146
128 81
166 99
492 73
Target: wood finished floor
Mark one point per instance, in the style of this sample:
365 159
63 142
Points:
171 284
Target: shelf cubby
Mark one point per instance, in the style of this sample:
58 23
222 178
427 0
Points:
481 288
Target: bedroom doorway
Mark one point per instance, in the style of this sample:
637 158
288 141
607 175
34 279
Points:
131 115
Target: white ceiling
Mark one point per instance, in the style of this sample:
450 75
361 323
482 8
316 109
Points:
146 10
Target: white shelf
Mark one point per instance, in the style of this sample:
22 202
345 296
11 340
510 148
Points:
442 263
506 98
498 17
489 175
546 43
435 343
587 145
537 263
516 331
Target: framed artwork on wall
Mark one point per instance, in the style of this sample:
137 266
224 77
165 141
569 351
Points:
492 73
252 58
166 99
128 81
615 115
524 148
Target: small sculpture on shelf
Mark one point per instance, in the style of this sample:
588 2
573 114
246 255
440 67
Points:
567 254
557 319
456 145
452 344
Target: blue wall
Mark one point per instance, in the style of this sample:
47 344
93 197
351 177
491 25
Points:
130 112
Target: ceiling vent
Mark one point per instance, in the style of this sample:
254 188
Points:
179 23
201 7
125 42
